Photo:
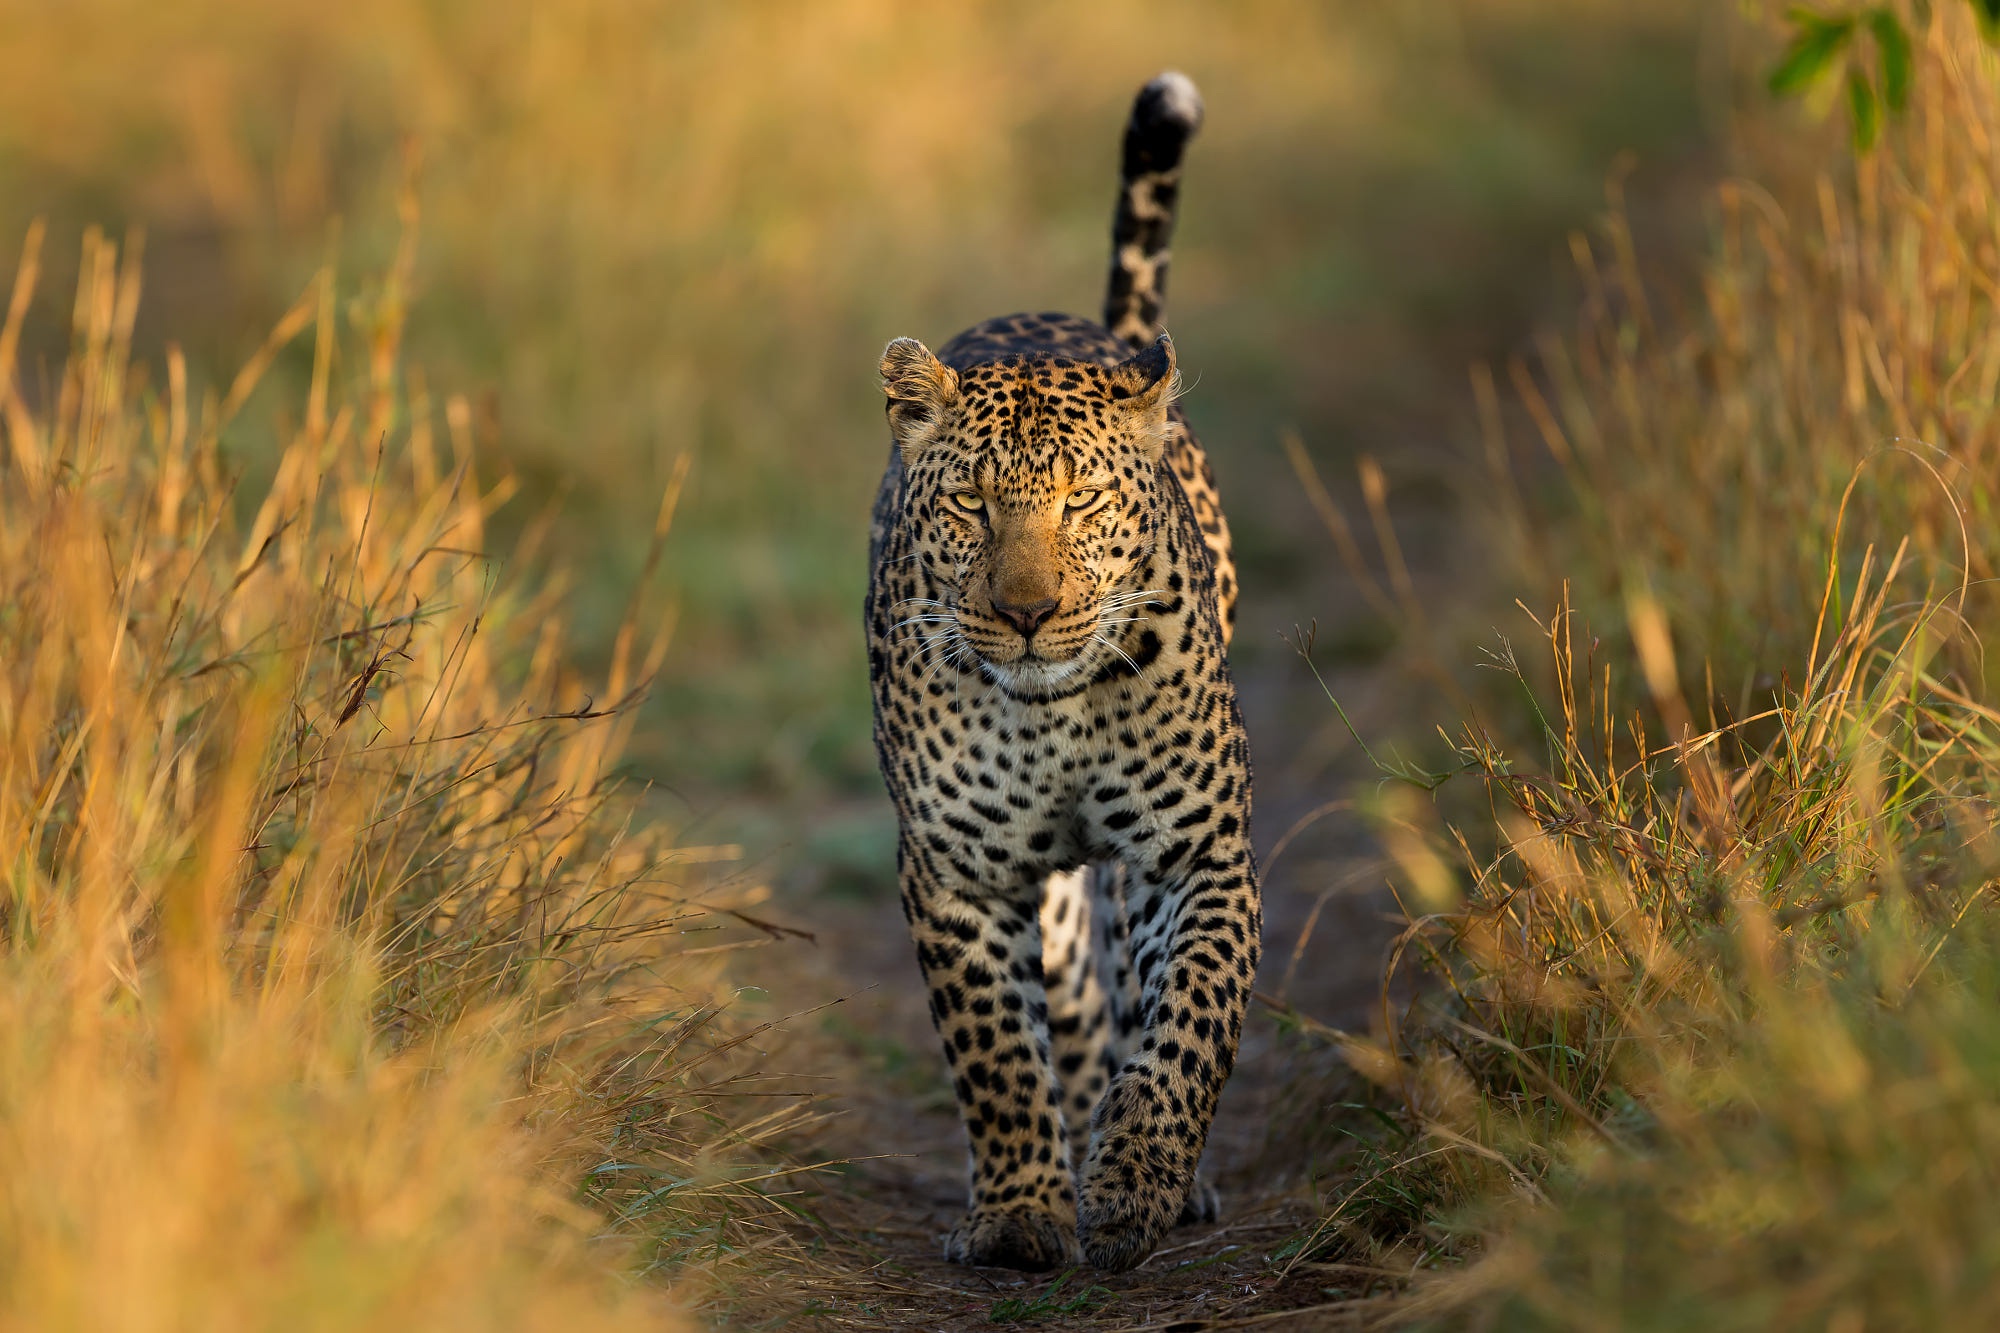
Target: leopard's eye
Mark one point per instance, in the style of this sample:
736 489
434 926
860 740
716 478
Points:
970 501
1081 499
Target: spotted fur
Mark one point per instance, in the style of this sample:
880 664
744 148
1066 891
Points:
1164 118
1051 595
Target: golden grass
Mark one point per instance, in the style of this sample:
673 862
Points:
1834 387
1708 1036
336 988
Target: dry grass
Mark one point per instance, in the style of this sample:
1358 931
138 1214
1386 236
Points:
1709 1037
1833 386
336 988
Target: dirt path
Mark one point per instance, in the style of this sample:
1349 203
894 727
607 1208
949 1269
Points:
881 1217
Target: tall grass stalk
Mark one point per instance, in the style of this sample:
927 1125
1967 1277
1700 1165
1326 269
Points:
1833 387
331 959
1707 1033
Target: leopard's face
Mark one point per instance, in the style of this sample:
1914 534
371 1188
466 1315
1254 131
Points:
1032 494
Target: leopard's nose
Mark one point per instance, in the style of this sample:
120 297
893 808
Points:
1026 617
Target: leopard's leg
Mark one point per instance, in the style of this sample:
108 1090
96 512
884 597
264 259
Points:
1118 980
1081 1033
1092 987
981 956
1195 941
1111 939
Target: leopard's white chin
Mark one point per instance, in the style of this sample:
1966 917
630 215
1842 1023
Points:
1030 674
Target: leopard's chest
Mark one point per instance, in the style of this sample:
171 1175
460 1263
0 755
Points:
1007 792
1006 781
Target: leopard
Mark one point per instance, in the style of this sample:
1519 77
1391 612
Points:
1051 597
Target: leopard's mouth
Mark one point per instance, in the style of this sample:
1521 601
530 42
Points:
1032 663
1048 660
1051 646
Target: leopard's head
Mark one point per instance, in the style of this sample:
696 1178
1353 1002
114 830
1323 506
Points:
1033 493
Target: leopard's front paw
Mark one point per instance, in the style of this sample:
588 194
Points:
1140 1178
1121 1218
1016 1237
1133 1192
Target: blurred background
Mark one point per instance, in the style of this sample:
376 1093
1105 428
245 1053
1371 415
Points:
654 230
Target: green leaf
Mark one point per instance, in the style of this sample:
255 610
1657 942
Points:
1866 111
1892 44
1989 18
1818 40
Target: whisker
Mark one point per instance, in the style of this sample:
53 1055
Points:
921 620
958 701
1120 651
949 659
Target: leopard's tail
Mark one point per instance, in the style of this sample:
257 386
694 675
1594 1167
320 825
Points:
1164 117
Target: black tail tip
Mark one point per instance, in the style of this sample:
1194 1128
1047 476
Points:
1168 107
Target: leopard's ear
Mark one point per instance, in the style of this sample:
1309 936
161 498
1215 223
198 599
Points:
921 389
1145 387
